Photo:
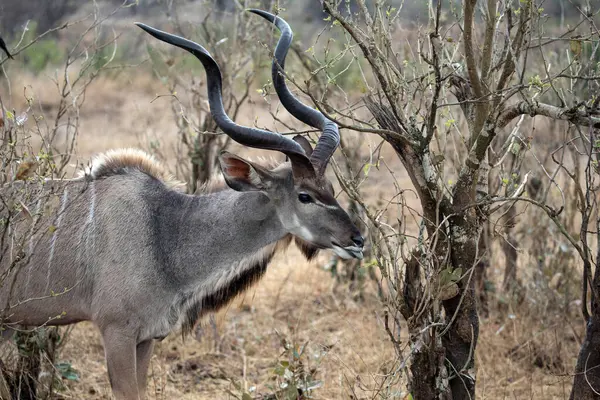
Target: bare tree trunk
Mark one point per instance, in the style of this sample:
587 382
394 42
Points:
510 252
480 274
460 340
428 361
426 372
586 384
510 284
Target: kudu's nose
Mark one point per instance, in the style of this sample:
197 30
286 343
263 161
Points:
358 240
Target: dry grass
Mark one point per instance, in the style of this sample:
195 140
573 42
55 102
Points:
525 354
521 353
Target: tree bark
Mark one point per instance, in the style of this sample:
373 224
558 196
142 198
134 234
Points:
510 252
426 372
586 384
428 361
460 341
430 372
480 275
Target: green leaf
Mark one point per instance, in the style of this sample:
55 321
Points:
67 371
450 275
515 148
450 122
291 393
279 370
575 46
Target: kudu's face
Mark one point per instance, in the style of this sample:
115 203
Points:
306 207
315 216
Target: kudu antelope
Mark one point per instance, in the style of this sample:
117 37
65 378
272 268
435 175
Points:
129 251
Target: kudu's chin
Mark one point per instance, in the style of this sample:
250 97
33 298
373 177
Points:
348 252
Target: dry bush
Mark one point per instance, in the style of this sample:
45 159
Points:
454 117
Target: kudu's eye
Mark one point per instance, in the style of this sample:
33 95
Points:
305 198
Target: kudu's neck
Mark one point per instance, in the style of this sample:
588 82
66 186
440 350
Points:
219 230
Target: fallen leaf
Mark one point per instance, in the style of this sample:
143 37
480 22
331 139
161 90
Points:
26 170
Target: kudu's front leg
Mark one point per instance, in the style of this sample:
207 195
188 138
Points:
120 352
143 356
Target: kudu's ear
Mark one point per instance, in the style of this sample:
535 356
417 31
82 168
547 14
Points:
242 175
302 141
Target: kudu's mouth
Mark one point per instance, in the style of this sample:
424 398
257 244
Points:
348 252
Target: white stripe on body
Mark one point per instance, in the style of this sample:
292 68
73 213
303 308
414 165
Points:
63 205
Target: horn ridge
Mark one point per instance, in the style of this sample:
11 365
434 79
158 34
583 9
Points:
330 138
304 113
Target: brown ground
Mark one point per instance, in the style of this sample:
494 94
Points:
521 355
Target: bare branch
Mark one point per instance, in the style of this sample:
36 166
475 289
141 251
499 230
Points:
488 46
575 116
469 11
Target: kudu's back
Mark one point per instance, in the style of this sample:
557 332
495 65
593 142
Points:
77 246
